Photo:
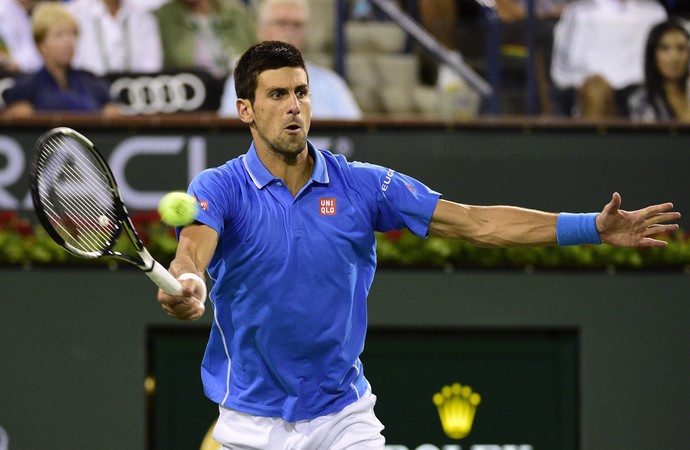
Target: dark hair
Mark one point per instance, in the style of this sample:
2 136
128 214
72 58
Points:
264 56
653 79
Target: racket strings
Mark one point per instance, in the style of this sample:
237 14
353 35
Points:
77 196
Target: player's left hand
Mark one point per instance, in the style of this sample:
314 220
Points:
635 228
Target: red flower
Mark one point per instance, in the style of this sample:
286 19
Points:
7 218
23 227
394 235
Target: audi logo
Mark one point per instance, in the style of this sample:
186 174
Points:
159 93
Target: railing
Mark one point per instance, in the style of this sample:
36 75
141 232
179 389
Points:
491 89
432 45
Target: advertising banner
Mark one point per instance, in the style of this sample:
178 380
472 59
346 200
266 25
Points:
436 389
572 170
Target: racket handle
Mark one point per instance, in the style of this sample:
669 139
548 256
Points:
164 279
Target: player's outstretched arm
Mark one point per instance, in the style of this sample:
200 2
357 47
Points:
493 226
635 228
194 251
509 226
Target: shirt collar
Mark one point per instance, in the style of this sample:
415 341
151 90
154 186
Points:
262 177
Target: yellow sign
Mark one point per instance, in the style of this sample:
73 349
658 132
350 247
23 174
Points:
456 405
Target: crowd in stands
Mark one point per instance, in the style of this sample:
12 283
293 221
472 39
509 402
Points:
17 48
115 36
57 85
593 59
204 34
599 50
287 21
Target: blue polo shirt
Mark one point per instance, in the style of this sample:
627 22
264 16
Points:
291 277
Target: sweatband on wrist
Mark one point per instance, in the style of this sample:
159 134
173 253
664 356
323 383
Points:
577 229
193 276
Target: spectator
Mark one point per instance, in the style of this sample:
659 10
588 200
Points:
665 94
287 20
441 19
19 53
204 34
516 10
513 15
6 63
57 86
597 57
116 36
150 5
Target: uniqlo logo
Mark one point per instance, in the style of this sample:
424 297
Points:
327 206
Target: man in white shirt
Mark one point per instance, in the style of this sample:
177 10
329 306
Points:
599 51
150 5
116 36
17 36
286 21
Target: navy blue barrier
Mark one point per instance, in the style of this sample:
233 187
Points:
157 93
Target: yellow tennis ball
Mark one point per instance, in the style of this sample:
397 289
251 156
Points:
178 209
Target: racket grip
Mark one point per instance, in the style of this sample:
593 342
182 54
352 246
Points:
164 280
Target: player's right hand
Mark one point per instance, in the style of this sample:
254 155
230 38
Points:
189 305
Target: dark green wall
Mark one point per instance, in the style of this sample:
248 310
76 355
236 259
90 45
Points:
72 348
570 169
73 363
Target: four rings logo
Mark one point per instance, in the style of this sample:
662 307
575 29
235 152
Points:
159 93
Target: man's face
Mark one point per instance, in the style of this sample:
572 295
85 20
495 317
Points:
281 114
285 23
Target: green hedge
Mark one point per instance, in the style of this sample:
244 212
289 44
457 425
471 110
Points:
25 244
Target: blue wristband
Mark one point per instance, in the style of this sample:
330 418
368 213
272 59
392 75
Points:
577 229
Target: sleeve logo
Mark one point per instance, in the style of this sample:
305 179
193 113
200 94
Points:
387 180
203 204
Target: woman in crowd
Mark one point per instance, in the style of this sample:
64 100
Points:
664 95
57 86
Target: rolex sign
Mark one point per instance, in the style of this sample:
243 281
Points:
474 390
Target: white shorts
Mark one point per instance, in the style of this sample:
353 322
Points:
355 428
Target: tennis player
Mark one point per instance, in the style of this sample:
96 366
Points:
286 234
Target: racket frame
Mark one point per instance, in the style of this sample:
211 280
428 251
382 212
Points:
144 261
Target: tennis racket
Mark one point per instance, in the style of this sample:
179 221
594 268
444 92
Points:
78 203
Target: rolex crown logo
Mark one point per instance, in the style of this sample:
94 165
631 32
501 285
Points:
456 407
